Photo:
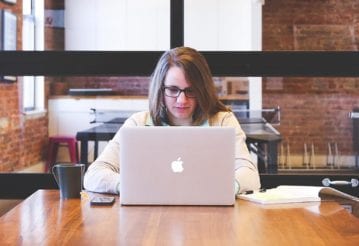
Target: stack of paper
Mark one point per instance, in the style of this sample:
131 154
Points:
294 193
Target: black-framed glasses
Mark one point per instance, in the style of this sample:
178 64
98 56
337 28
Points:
174 91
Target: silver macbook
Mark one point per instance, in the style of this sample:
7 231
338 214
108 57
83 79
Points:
177 165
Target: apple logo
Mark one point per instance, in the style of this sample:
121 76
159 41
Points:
177 165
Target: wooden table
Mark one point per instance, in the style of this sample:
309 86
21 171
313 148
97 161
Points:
44 219
256 130
103 132
266 139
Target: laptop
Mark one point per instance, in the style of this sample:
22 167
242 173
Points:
177 165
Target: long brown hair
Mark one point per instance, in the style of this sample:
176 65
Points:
197 73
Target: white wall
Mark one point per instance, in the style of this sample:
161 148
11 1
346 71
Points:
67 116
70 115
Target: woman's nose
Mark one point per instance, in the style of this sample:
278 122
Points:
181 97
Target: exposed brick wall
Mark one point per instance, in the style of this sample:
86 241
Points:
54 4
120 85
23 143
315 118
54 39
313 109
23 139
129 86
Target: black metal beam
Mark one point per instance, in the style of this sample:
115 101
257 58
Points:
177 23
284 63
21 185
77 63
142 63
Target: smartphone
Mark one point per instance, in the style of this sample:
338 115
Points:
102 200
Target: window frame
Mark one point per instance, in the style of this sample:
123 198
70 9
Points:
33 87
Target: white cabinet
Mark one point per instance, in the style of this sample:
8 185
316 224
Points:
225 25
69 115
145 24
117 24
218 25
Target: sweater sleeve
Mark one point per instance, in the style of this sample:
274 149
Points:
103 175
246 171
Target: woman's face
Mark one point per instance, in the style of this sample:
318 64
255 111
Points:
181 108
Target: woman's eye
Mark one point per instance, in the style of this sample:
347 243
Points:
173 90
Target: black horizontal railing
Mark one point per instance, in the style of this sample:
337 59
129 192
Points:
21 185
142 63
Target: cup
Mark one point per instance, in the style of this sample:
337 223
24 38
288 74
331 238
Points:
69 178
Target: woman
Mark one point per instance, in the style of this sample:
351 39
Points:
182 93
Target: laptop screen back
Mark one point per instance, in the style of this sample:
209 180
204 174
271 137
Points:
177 165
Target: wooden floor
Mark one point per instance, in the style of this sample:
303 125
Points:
37 168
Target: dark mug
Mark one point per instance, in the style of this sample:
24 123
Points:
69 178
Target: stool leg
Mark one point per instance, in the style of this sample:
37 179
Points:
49 157
77 152
73 153
52 155
95 150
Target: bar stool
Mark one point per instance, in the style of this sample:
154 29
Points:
54 143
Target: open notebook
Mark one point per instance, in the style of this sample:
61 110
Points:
294 193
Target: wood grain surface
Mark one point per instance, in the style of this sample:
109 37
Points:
44 219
